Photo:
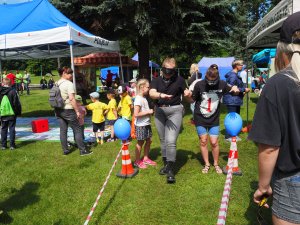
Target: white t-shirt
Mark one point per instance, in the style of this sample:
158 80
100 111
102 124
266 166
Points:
243 75
66 87
143 103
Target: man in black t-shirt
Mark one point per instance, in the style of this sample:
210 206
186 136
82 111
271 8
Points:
207 94
276 129
168 91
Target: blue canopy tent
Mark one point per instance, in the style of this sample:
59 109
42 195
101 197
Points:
224 65
36 29
263 57
151 64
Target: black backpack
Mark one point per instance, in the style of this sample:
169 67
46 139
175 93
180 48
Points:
55 99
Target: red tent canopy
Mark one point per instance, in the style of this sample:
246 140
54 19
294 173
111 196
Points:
104 59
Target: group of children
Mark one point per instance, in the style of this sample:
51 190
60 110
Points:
132 102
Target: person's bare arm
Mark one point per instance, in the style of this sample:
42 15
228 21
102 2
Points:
154 94
267 157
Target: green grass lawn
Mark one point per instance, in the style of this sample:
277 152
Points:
41 186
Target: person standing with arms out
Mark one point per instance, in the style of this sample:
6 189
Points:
167 90
112 114
234 102
69 115
207 94
142 122
9 116
276 129
99 109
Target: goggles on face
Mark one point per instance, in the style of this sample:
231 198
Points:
168 71
212 82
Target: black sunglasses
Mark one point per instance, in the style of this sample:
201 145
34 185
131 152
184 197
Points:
169 71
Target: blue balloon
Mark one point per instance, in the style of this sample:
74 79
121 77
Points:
233 124
122 129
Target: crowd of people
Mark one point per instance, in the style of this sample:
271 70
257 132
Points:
275 125
19 81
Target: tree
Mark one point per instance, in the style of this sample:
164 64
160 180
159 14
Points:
178 28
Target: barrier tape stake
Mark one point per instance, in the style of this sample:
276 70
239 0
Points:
102 189
226 193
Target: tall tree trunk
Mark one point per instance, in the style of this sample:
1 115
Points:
143 50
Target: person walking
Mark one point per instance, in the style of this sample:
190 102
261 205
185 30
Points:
10 109
234 102
275 128
69 115
207 95
167 90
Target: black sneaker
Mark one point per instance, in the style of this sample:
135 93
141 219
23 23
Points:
85 152
67 152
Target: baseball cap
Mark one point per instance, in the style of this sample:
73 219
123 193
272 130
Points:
78 98
121 89
132 80
289 27
95 95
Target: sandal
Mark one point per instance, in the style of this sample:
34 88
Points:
206 169
218 169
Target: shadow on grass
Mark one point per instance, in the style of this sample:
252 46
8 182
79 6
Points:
252 211
21 144
111 200
18 200
40 113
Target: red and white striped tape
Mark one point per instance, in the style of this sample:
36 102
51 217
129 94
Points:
102 189
226 192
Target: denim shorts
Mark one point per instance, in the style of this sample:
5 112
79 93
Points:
286 197
111 122
212 131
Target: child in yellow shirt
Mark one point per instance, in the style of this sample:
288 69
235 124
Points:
99 109
125 105
112 114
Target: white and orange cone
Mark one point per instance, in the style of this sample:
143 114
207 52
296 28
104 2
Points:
233 152
127 169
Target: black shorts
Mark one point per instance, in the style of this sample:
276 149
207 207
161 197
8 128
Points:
98 126
111 122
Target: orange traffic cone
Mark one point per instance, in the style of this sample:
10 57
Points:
233 153
127 168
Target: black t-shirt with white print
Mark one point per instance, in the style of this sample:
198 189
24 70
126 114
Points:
175 86
276 120
207 106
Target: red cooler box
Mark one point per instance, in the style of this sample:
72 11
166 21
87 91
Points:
39 126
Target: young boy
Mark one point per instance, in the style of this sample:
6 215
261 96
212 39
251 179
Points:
125 105
99 109
9 116
112 114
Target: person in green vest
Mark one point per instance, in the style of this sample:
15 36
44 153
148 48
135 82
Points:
19 82
10 108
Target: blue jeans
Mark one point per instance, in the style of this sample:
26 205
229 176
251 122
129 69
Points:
232 108
68 117
286 197
11 125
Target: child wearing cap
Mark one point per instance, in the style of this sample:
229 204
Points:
132 89
125 105
99 109
112 114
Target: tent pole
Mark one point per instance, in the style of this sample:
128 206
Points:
247 87
121 67
71 42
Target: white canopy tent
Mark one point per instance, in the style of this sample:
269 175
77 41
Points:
36 29
265 34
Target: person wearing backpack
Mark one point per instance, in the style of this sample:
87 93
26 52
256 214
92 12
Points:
10 108
69 114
